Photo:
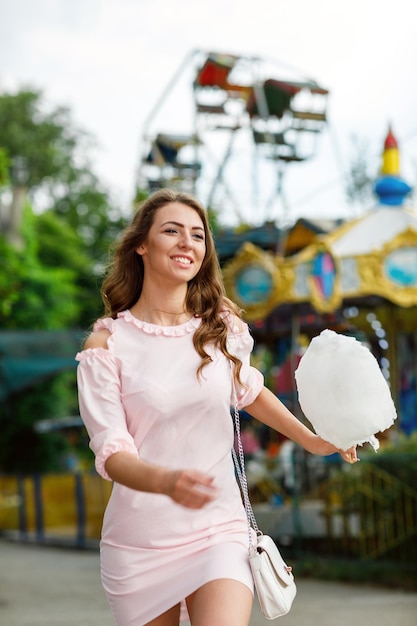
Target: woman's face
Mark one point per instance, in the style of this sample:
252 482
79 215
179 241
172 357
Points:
175 247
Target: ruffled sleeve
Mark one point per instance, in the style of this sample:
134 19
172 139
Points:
100 403
240 344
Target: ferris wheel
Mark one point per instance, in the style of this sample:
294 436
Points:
246 125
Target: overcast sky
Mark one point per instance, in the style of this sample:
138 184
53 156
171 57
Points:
111 60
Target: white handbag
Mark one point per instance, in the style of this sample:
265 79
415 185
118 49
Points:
273 578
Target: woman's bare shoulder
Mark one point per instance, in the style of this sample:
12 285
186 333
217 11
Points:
97 339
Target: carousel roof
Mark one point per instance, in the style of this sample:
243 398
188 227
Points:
373 256
372 231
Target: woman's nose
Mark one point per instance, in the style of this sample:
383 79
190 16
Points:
186 240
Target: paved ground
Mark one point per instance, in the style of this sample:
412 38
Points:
46 586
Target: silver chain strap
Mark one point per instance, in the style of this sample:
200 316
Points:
239 461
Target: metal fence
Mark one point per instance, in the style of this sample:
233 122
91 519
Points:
54 507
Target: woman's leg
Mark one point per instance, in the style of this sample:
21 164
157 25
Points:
169 618
223 602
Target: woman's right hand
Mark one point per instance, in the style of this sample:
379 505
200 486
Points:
189 488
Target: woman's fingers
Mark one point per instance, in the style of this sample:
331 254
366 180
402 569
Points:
350 455
191 488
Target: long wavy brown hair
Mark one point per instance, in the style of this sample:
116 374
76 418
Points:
122 285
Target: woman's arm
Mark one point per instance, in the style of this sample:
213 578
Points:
116 453
189 488
269 410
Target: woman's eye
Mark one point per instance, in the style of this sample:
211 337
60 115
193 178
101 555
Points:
170 230
199 237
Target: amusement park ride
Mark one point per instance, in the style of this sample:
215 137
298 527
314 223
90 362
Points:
245 127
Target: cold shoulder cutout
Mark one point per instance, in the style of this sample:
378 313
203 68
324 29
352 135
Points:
97 339
100 342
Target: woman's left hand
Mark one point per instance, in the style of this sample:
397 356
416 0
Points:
324 448
350 455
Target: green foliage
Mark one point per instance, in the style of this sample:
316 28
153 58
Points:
213 221
9 281
53 280
4 167
397 457
86 208
66 245
402 444
60 246
32 295
23 449
40 144
140 195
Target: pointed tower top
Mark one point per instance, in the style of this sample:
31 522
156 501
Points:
390 140
391 189
390 155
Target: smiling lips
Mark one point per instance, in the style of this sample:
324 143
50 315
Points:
182 259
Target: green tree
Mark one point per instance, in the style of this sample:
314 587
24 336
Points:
23 448
59 245
51 279
87 208
47 142
48 157
33 295
4 167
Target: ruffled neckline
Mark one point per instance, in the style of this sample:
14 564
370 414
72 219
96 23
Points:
155 329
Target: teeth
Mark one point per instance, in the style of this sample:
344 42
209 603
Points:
182 259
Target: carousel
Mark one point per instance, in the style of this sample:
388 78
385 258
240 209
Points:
359 279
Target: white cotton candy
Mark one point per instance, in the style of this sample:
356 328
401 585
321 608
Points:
342 391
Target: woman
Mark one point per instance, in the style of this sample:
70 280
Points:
156 380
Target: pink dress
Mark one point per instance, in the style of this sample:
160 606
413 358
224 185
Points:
141 395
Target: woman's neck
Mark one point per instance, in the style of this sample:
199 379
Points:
163 311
